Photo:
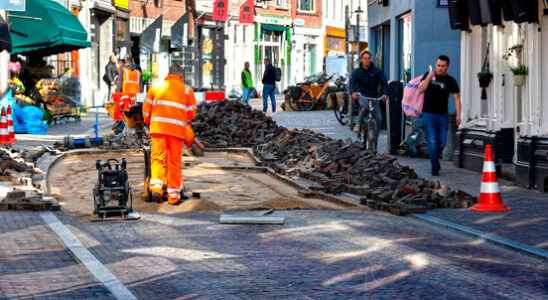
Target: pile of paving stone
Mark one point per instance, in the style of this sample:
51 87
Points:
344 166
17 188
233 124
337 166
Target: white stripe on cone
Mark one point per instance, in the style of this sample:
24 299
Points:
489 166
490 188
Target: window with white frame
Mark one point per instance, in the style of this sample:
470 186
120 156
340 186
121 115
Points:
305 5
281 3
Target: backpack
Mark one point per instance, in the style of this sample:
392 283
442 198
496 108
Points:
413 99
278 74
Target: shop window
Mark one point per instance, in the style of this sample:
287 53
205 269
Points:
306 5
158 3
122 30
281 3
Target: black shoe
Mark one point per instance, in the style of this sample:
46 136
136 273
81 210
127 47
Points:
436 171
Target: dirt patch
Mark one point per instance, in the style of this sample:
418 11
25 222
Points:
73 178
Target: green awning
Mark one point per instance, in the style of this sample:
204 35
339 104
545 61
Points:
46 28
273 27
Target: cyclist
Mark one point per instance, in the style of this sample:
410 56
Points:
368 81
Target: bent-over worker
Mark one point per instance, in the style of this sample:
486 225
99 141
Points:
168 110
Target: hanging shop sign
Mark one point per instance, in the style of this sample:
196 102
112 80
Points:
247 14
220 10
12 5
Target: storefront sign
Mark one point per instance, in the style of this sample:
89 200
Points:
272 19
12 5
121 4
442 3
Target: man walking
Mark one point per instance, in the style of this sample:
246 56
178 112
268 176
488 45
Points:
437 86
269 85
168 110
368 81
247 83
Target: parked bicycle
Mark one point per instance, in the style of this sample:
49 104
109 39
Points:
369 130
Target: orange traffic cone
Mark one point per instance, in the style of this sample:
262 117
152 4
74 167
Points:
11 131
3 128
489 199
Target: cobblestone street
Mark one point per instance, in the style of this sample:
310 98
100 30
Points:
316 254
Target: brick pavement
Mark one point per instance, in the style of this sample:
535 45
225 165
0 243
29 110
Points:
315 255
527 222
35 265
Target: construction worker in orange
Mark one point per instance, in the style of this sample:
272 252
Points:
131 78
168 110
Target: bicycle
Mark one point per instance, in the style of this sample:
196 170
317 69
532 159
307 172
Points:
369 130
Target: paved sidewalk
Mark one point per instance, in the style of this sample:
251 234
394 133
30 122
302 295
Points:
35 265
527 223
57 132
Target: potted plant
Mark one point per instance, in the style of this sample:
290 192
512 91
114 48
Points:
520 71
485 75
484 78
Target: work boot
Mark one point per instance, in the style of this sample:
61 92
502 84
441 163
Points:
156 197
174 201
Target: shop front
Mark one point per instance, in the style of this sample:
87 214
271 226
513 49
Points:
273 41
210 54
335 41
504 92
307 59
44 31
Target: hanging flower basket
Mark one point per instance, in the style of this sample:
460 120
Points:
485 77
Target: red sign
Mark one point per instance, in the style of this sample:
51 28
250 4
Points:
247 13
220 10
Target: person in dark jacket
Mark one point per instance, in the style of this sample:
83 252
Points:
111 74
368 81
269 85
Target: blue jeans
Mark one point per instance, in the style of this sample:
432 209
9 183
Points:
246 95
377 113
436 130
269 90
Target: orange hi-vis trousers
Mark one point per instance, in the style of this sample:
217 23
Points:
165 168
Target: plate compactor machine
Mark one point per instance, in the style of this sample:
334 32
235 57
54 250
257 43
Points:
112 194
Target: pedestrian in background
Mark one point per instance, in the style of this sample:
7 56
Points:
247 83
111 75
269 85
437 86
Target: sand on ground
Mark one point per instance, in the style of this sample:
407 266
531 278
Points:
72 180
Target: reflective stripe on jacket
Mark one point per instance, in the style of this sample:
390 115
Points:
131 83
169 108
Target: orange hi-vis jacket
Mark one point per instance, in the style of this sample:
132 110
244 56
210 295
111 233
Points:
169 107
130 81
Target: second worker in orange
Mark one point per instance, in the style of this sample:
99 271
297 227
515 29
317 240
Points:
168 110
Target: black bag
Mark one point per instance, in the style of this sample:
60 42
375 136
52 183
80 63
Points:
278 74
106 80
